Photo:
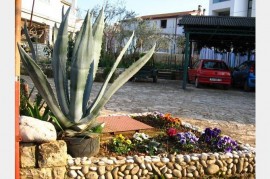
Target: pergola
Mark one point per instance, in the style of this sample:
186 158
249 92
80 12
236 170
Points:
217 31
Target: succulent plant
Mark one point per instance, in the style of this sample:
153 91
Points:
72 106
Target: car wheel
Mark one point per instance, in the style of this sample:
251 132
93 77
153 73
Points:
246 87
189 82
233 82
197 84
226 87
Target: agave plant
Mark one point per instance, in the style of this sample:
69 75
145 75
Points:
72 105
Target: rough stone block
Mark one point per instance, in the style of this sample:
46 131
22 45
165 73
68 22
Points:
52 154
35 130
59 172
27 155
41 173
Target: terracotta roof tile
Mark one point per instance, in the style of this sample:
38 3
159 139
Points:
121 124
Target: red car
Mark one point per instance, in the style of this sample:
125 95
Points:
210 72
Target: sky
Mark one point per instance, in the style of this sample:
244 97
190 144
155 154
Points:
148 7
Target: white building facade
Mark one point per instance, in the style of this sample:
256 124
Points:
243 8
45 14
168 25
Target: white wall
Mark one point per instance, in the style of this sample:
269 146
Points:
253 13
236 7
219 7
240 8
48 12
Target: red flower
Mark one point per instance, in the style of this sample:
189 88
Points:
171 132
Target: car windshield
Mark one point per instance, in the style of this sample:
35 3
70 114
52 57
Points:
214 65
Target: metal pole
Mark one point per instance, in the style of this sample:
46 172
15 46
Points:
33 4
17 86
186 61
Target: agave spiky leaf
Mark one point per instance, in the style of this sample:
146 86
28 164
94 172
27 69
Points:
55 33
123 78
59 65
80 68
63 12
43 86
98 28
104 86
33 52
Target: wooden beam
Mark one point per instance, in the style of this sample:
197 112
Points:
17 85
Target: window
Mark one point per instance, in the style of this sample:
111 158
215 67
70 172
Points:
215 65
243 66
217 1
225 13
163 23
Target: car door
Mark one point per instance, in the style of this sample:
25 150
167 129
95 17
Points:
240 74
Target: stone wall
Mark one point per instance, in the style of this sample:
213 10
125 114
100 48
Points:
172 166
50 160
46 160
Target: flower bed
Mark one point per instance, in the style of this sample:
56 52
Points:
188 152
172 137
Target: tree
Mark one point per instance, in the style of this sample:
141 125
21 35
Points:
114 12
146 33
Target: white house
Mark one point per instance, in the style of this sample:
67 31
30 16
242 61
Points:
167 23
45 14
243 8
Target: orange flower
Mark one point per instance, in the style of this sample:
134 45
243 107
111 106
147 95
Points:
167 115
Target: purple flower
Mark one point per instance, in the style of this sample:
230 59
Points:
187 138
226 144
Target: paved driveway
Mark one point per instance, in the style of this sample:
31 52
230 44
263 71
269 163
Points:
233 108
199 103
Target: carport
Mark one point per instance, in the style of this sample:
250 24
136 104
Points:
217 31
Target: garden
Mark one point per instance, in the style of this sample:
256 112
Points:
171 137
173 149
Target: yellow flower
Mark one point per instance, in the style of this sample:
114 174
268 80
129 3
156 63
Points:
128 142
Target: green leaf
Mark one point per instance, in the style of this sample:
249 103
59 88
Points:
79 71
104 86
56 122
29 42
55 33
124 77
88 89
98 28
79 39
43 86
59 65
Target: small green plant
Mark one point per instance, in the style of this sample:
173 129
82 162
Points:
121 145
143 143
36 108
71 105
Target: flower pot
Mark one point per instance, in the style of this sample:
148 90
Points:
83 146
